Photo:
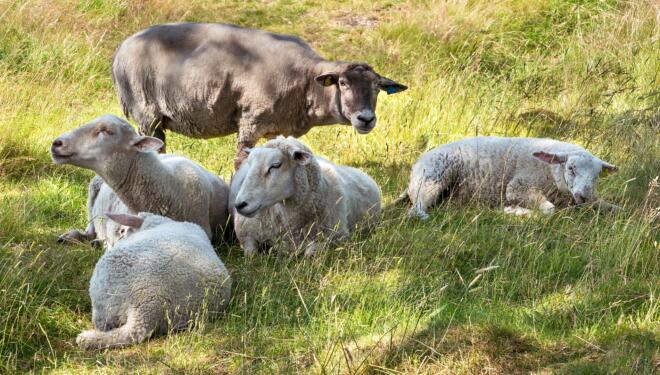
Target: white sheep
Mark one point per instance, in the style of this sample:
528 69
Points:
164 277
100 231
522 173
169 185
283 192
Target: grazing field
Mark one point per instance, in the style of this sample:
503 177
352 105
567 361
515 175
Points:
470 291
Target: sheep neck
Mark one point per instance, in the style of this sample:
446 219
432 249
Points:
306 200
143 183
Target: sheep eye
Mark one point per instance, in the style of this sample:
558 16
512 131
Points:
274 166
342 83
103 130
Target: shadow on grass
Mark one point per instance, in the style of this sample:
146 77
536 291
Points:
21 161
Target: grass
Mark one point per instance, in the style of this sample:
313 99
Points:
470 291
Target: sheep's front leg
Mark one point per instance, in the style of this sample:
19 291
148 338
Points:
241 153
250 247
311 249
602 205
519 193
76 236
536 199
248 134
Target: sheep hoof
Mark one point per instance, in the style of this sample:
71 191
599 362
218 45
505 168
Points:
86 340
72 236
310 250
417 214
250 249
96 243
547 208
607 207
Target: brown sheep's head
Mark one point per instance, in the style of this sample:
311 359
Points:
358 86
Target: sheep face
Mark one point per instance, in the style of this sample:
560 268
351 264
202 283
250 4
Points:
577 172
357 90
90 145
269 178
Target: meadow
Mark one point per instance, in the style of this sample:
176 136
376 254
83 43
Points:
472 290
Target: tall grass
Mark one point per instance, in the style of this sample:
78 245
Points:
470 291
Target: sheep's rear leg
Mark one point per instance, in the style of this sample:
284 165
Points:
139 326
424 196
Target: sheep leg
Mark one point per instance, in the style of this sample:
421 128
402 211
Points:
602 205
248 135
160 134
249 246
241 153
519 194
517 211
76 236
153 127
424 196
538 200
138 327
310 249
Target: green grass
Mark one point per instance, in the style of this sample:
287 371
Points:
470 291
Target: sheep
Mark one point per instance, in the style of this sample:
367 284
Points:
163 277
523 173
100 199
143 180
207 80
284 192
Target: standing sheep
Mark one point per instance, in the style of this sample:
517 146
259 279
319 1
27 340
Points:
143 180
521 172
163 277
207 80
284 192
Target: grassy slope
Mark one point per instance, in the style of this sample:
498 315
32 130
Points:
571 293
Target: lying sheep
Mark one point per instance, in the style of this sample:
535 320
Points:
143 180
208 80
100 231
162 278
524 173
284 192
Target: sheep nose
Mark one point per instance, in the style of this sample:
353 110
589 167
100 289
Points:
366 118
57 143
241 205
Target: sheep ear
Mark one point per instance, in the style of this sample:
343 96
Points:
608 168
132 221
146 144
390 86
550 158
327 79
301 157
